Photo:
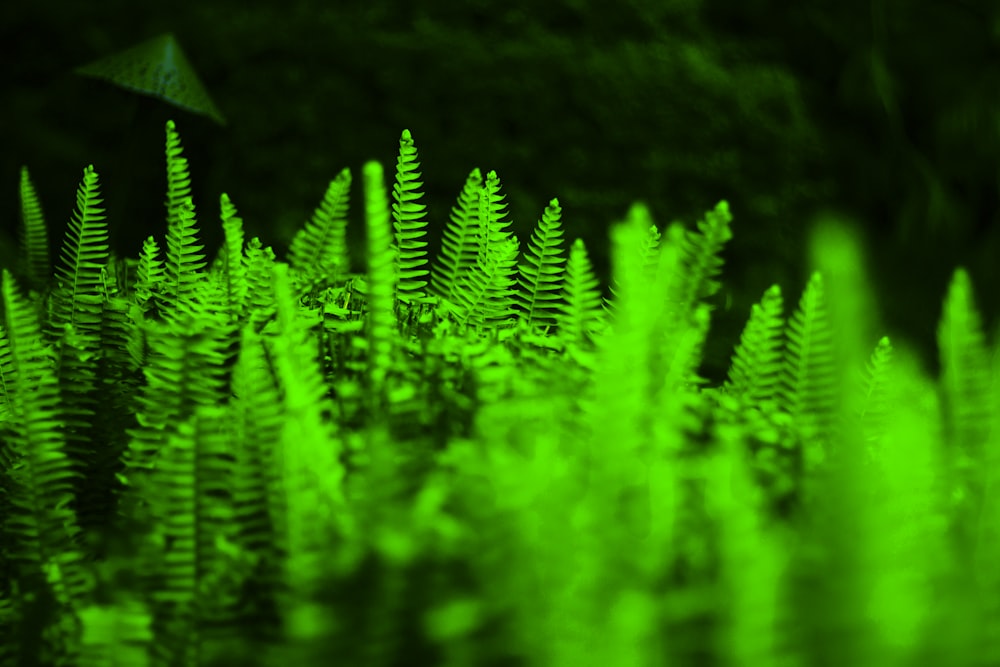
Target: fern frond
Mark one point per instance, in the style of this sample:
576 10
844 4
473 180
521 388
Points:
581 305
76 325
966 398
409 223
186 367
41 525
756 366
965 370
34 238
485 296
807 384
185 262
77 298
647 251
178 177
320 248
459 240
382 325
231 254
493 229
540 276
309 450
877 395
702 262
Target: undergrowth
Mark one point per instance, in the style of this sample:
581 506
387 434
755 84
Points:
476 459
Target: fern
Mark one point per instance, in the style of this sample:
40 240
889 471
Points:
485 294
41 534
231 258
409 224
877 395
184 265
540 275
459 240
966 398
33 236
756 366
382 277
320 248
178 176
581 304
807 379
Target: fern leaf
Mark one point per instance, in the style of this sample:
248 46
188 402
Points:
485 296
381 290
647 252
309 450
40 525
581 307
702 262
178 176
966 393
320 248
459 240
184 266
231 253
493 229
409 223
807 384
33 236
877 395
756 366
186 367
76 323
540 276
77 298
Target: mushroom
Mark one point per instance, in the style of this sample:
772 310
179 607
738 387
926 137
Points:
159 68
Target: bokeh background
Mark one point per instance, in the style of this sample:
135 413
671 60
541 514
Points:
883 111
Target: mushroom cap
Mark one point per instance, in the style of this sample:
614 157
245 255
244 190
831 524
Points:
157 67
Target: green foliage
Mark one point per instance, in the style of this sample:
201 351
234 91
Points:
33 235
320 248
271 463
408 223
539 276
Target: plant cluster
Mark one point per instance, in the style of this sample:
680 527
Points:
476 460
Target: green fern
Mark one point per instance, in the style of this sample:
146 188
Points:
320 248
877 395
485 293
966 398
541 273
580 309
232 267
459 240
178 176
409 224
381 276
756 366
75 325
33 237
807 380
183 269
41 534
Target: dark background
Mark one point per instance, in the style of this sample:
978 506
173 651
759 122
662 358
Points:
884 110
